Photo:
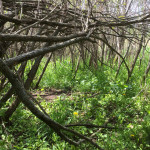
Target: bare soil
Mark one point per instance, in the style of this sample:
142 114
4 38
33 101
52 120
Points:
49 94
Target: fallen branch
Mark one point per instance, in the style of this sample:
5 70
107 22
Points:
29 55
38 38
90 126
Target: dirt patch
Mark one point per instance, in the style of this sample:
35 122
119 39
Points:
49 94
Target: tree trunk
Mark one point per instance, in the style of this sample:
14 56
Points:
44 69
27 85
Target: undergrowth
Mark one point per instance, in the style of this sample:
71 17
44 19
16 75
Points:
96 98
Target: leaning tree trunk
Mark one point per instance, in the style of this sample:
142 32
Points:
27 84
122 61
11 90
135 59
146 71
44 69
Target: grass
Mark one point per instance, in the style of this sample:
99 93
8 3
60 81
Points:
126 106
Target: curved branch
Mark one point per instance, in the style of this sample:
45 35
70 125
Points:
38 38
26 56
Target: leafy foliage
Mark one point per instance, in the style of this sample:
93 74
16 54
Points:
122 104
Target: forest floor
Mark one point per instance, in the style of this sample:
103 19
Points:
49 94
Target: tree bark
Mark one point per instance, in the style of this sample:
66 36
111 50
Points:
44 69
27 85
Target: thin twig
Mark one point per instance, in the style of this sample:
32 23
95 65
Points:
36 22
90 126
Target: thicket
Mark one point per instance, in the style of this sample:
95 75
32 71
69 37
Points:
119 110
94 55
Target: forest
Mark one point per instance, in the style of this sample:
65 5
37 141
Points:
74 74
